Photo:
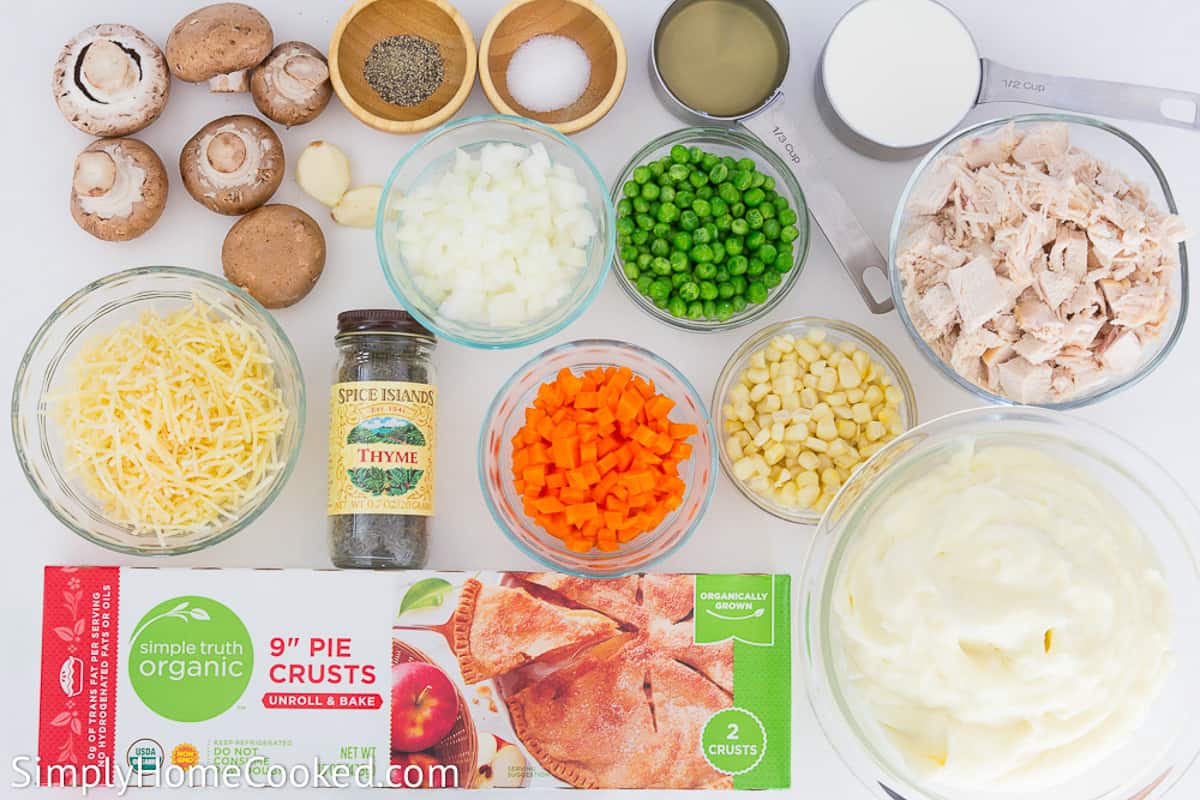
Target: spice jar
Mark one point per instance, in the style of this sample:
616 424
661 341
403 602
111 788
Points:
382 416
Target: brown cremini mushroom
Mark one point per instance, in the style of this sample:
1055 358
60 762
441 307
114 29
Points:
232 164
292 85
119 189
111 80
276 253
218 44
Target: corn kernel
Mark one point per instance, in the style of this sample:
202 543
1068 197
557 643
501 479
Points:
808 460
847 429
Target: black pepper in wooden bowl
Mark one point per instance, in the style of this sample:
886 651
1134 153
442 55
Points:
405 70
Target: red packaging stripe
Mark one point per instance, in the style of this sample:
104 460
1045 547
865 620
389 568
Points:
79 674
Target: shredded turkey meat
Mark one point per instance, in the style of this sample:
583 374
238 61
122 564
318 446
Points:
1034 269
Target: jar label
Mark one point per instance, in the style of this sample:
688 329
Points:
381 440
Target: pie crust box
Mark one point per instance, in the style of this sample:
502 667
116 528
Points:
243 677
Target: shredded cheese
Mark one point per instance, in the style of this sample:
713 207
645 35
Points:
175 421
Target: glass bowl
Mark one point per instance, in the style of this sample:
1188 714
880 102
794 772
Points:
721 142
1109 144
427 160
44 371
1167 742
838 332
507 414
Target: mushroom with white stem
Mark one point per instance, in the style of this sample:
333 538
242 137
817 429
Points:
276 253
232 164
119 189
111 80
292 85
219 44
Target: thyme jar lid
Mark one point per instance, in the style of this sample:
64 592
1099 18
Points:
381 320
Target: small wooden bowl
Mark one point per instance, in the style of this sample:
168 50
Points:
581 20
369 21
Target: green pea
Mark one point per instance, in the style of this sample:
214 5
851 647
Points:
650 191
661 230
729 193
769 197
783 262
724 310
725 291
644 259
668 213
643 283
641 205
641 174
678 279
789 233
684 198
631 189
756 292
660 266
753 197
718 251
629 253
767 253
678 173
679 261
709 161
644 221
767 210
676 306
710 309
659 247
755 267
682 241
631 270
787 216
754 219
689 221
657 168
780 204
702 236
737 264
755 240
718 173
640 236
722 275
689 290
708 290
746 164
739 227
625 226
769 184
697 179
739 303
739 284
695 154
701 253
738 209
740 180
660 301
771 279
702 207
723 222
624 207
729 162
771 228
666 194
660 288
679 154
757 179
705 270
695 309
719 207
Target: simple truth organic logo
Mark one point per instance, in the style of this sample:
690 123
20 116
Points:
190 658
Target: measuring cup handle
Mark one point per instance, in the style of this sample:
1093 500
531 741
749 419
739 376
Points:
846 236
1107 98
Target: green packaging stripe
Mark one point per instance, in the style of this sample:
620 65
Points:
752 740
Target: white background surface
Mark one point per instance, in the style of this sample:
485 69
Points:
46 257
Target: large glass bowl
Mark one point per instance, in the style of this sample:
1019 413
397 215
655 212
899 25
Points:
507 414
1109 144
838 332
721 142
1169 739
44 372
427 160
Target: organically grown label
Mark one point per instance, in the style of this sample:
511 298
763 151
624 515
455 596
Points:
190 658
381 441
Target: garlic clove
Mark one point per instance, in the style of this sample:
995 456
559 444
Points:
323 172
358 207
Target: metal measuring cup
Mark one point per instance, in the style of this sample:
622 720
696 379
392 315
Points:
768 121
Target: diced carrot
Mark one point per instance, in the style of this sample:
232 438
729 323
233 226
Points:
605 416
682 431
662 444
535 476
629 406
581 512
555 480
538 454
571 496
645 388
566 453
682 451
587 400
549 505
588 451
644 436
608 463
576 480
520 460
658 406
